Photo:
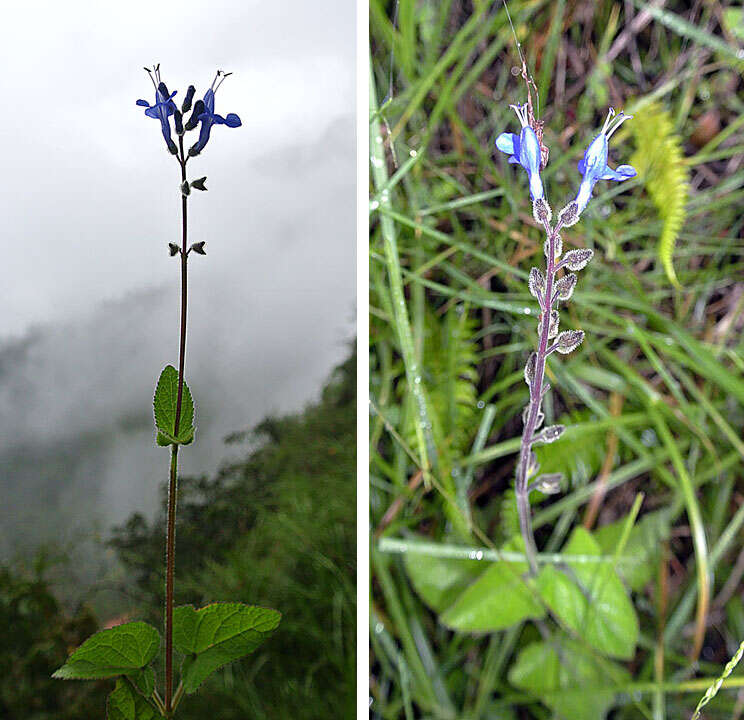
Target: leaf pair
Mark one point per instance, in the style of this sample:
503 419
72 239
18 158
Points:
209 638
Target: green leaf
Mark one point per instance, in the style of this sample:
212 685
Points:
121 650
591 600
218 634
643 545
498 599
439 581
164 405
143 680
567 678
125 704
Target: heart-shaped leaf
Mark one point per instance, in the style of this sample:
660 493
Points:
498 598
591 600
218 634
121 650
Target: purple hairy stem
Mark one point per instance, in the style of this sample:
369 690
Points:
546 300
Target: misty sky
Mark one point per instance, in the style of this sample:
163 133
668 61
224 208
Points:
90 200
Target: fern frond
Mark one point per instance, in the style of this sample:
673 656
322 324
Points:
660 163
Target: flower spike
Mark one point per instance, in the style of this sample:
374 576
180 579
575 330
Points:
593 166
524 150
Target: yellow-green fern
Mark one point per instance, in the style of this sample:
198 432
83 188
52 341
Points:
661 165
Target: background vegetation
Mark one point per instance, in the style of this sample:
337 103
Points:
275 528
654 398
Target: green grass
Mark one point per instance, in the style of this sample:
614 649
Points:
654 397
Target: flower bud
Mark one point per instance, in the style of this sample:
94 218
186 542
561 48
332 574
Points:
178 122
198 248
193 121
173 249
187 100
198 184
185 189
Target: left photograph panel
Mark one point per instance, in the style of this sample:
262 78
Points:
177 363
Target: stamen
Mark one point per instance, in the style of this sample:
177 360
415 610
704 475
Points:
521 111
608 119
152 79
619 120
224 75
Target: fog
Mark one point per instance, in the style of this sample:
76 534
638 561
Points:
90 200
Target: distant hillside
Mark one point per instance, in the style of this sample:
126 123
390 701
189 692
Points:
275 527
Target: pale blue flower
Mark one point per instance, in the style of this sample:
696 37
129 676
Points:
524 150
593 166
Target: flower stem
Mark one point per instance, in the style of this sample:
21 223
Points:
533 409
170 545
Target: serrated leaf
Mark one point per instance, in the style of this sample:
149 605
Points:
121 650
164 407
497 599
217 635
125 704
567 679
591 600
439 581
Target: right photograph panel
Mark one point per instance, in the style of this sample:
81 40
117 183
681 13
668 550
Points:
556 360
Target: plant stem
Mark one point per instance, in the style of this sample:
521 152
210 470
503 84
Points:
536 395
170 551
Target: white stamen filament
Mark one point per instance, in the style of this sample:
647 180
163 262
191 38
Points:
521 111
613 122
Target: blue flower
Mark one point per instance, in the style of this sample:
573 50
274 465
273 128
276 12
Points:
524 150
208 117
593 166
163 108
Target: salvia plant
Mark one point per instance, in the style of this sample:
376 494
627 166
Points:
202 639
551 288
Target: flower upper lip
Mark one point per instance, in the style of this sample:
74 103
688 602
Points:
593 166
208 117
524 150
